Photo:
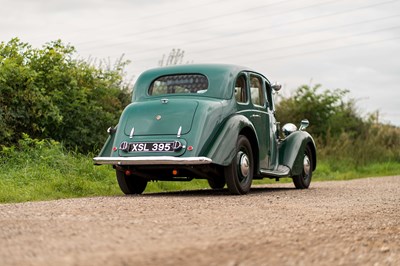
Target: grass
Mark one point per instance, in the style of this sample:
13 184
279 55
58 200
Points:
343 171
44 170
30 182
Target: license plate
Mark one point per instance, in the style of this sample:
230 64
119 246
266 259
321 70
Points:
150 147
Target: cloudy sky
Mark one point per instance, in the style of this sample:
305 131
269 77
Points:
351 45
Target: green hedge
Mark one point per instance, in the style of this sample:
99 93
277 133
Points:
49 94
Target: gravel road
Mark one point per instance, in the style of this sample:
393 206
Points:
333 223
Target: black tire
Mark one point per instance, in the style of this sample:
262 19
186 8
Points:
239 174
216 182
131 184
303 180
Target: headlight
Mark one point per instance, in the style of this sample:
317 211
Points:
288 129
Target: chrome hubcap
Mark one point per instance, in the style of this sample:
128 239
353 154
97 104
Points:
244 165
306 165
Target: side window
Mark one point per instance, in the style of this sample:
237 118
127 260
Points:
256 90
240 89
269 96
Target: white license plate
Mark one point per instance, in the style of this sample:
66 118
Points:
151 147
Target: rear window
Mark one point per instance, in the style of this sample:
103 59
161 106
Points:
182 83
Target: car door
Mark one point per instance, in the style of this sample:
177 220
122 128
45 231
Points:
272 128
260 118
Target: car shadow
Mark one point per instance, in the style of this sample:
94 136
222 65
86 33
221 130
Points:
212 192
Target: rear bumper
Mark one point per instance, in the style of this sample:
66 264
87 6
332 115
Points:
152 160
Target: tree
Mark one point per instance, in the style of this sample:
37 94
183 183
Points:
328 112
175 57
49 94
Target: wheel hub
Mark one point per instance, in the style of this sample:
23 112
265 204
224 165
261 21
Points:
306 165
244 165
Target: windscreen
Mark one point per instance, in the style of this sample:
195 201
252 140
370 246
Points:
179 84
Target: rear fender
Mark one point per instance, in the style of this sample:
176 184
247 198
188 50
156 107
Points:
223 148
106 151
291 151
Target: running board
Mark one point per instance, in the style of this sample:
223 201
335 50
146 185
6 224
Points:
281 171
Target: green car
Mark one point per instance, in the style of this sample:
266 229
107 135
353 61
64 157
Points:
211 121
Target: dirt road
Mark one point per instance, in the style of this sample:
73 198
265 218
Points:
333 223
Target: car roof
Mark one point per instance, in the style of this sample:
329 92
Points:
220 76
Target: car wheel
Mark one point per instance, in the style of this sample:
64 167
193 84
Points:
216 182
239 174
303 180
131 184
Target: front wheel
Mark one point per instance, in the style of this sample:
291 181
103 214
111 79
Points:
131 184
239 174
303 180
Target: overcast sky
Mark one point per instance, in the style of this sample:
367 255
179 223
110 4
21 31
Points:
351 45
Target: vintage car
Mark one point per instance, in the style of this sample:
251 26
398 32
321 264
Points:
211 121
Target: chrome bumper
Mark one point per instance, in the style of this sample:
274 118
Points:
152 160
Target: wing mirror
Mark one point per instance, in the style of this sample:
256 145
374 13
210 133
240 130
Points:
304 124
276 86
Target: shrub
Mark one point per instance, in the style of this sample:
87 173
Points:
342 135
49 94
